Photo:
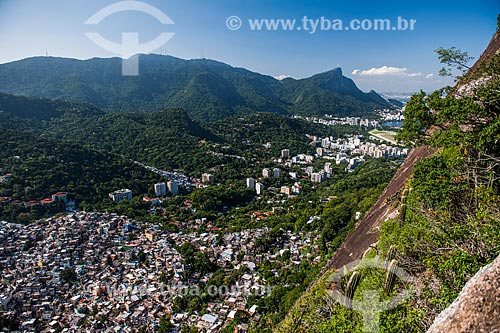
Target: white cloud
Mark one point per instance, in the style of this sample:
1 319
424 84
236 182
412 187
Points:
389 71
281 77
384 70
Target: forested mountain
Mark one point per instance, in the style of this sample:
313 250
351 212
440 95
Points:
206 89
41 167
329 93
42 108
167 139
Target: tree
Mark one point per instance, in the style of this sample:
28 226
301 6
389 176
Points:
187 252
418 118
30 243
454 59
202 264
163 277
8 324
165 324
141 256
68 275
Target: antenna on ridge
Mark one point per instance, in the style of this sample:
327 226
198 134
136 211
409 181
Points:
46 53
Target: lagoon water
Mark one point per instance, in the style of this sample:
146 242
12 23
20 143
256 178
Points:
393 124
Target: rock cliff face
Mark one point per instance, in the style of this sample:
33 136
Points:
468 88
492 49
477 308
367 232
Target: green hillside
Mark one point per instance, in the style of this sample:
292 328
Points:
41 167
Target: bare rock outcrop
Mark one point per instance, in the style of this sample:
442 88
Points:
477 308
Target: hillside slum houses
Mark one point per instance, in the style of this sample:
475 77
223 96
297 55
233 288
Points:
100 272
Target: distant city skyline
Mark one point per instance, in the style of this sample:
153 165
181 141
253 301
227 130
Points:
386 61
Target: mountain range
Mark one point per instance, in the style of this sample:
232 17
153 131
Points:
208 90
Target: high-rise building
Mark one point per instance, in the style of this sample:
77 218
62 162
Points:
328 167
207 178
276 172
286 190
266 173
325 143
285 153
296 188
316 177
160 189
259 188
173 187
250 183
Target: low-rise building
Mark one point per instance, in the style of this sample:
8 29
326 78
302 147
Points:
61 196
123 194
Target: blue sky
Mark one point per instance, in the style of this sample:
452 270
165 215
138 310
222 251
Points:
399 61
